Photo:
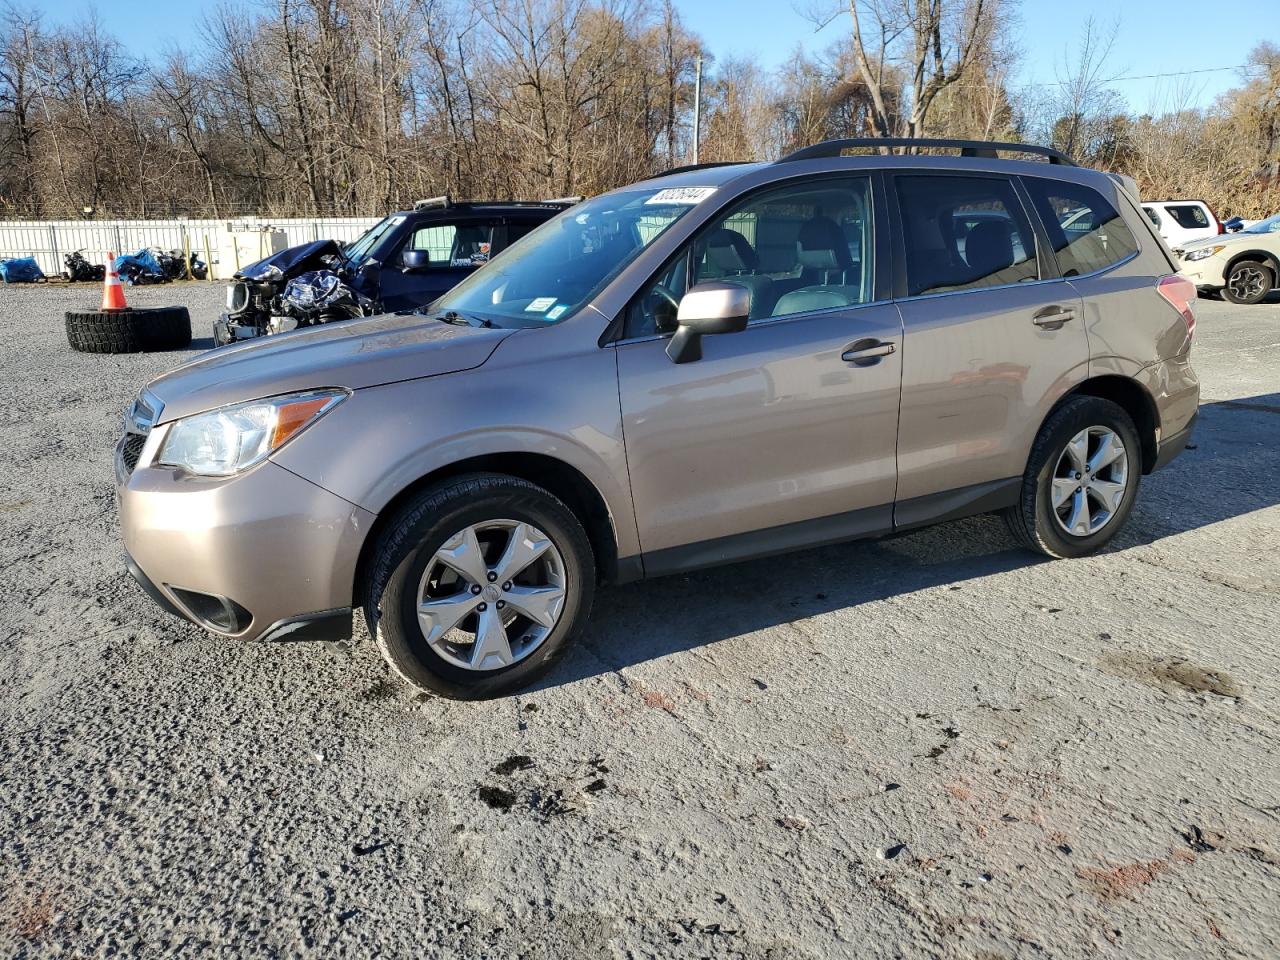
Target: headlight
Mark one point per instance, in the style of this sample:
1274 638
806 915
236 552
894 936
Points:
1204 253
230 439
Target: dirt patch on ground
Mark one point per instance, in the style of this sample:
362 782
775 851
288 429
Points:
1125 880
1171 674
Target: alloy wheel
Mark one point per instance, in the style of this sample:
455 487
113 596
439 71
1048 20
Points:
491 594
1090 481
1247 282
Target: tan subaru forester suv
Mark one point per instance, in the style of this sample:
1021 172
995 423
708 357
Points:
718 363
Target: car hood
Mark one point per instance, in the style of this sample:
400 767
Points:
305 256
354 354
1223 239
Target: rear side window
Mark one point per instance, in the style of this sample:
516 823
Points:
1189 216
1085 231
964 233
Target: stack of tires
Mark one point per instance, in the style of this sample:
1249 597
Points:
129 331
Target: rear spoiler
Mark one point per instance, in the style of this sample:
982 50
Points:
1127 184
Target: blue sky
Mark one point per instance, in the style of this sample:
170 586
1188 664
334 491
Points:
1154 37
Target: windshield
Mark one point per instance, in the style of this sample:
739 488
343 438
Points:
357 250
1269 225
554 271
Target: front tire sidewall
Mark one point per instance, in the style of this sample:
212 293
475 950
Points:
1269 280
396 626
1099 413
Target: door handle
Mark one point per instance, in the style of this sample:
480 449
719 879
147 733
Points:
864 353
1053 317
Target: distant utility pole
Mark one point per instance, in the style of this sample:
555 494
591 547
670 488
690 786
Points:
697 106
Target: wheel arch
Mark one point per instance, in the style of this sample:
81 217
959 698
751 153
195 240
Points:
557 477
1263 256
1134 399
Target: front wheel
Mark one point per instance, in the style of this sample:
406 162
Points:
477 585
1081 479
1248 282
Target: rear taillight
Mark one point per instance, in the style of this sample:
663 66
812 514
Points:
1180 293
1216 219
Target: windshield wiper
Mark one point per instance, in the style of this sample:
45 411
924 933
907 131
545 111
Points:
461 320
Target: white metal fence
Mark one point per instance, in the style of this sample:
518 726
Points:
49 240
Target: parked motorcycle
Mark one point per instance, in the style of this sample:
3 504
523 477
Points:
81 270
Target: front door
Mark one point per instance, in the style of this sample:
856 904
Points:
782 435
456 250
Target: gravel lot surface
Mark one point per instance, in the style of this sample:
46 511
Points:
935 745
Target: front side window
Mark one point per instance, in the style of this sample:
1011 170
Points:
559 267
1085 231
1189 216
453 245
796 249
964 233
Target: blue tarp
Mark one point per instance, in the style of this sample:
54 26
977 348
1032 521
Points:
135 267
20 270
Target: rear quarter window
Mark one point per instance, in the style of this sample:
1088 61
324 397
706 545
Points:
1085 231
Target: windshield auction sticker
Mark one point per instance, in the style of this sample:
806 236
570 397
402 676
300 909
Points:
685 195
540 305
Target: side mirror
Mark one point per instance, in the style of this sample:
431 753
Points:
415 261
708 308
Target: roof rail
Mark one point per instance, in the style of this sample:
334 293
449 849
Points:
967 148
689 167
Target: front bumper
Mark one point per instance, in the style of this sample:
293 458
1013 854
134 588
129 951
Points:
233 329
274 548
1207 274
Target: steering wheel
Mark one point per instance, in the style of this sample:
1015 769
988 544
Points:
666 295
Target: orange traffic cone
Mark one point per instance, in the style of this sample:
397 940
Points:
112 291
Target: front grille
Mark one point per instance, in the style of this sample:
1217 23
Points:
138 421
132 450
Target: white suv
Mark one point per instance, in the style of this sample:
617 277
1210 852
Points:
1181 221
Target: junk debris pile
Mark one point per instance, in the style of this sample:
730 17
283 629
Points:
154 265
20 270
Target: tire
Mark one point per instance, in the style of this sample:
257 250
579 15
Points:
1035 522
401 572
1248 282
129 331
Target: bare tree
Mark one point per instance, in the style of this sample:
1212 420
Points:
931 43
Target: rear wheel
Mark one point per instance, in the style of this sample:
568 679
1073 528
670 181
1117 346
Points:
477 586
1248 282
1081 479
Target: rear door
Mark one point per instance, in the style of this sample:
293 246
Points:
993 337
781 435
457 248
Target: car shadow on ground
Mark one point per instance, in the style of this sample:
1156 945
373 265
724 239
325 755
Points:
1229 470
201 343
